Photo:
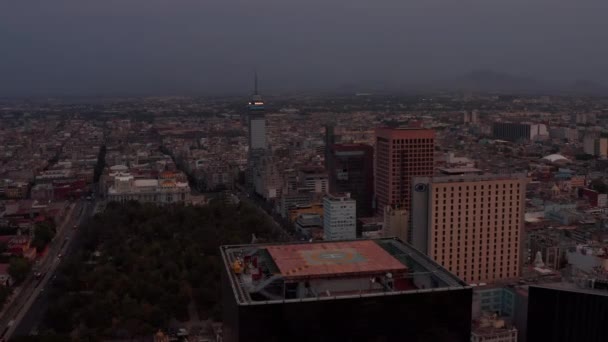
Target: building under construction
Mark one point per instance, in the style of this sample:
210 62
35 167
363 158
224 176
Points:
360 290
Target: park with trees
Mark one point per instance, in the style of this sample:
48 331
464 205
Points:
141 266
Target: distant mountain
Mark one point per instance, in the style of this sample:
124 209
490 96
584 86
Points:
489 81
586 87
492 81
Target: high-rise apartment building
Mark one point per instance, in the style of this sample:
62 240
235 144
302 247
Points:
351 169
339 217
472 225
401 153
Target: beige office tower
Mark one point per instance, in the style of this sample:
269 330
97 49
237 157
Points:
472 225
395 223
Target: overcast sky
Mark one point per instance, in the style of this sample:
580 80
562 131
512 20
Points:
84 47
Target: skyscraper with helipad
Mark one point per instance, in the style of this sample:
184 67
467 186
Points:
353 290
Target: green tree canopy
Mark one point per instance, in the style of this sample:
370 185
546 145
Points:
19 268
599 186
143 265
43 234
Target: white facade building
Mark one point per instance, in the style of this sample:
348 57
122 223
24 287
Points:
538 131
267 179
339 217
315 181
160 191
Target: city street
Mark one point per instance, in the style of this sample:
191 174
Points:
254 200
12 320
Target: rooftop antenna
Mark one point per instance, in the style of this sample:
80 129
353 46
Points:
255 82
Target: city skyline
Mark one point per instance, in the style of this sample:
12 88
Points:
148 189
423 170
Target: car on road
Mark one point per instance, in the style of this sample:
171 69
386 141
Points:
75 226
59 256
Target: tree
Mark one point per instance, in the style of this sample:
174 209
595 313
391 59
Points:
5 292
43 234
46 337
599 186
153 262
19 268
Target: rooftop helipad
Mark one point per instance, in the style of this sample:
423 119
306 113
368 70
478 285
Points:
333 259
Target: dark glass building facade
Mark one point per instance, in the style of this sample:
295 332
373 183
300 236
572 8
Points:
350 169
422 303
511 131
557 313
330 139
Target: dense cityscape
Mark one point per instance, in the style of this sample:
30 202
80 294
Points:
304 171
359 216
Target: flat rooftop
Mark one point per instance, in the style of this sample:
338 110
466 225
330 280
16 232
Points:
266 273
571 287
333 259
335 197
468 177
459 170
404 133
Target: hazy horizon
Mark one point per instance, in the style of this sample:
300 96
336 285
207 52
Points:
70 47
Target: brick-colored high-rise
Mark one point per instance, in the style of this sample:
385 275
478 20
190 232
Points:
401 153
471 225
